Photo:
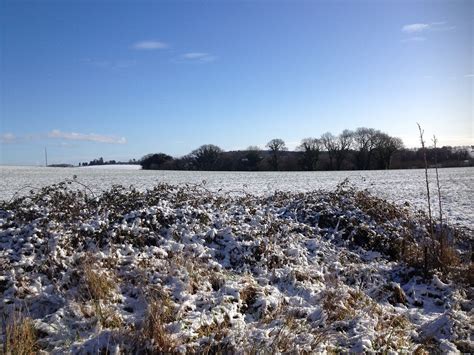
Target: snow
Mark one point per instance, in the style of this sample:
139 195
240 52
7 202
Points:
398 186
283 272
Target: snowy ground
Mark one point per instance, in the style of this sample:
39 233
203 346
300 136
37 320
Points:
183 269
395 185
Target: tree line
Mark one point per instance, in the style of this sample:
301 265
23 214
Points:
101 161
362 149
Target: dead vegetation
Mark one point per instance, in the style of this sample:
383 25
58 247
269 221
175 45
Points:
248 296
154 331
439 252
412 244
97 284
20 336
244 264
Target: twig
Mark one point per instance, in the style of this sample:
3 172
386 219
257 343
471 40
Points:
441 231
435 140
22 188
74 180
428 195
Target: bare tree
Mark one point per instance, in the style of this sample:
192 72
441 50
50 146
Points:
364 143
344 143
330 145
206 156
253 148
155 161
276 146
253 156
385 146
310 148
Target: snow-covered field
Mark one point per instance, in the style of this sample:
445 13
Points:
185 270
395 185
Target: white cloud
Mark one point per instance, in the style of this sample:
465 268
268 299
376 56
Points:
7 138
415 27
415 30
194 55
149 45
469 75
92 137
199 57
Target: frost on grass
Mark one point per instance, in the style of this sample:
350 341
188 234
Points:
183 269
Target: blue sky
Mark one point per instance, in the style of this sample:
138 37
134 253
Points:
123 79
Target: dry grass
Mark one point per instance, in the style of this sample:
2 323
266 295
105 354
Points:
248 296
160 312
217 331
98 285
449 257
291 329
107 317
340 306
290 325
217 281
393 332
283 339
465 274
380 209
20 336
428 346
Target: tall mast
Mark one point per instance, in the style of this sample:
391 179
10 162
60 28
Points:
45 157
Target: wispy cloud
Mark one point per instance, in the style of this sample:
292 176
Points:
469 76
7 138
194 55
414 28
149 45
91 137
200 57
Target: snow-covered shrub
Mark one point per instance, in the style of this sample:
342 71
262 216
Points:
183 269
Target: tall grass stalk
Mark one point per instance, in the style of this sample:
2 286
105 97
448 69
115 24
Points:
425 251
442 242
435 141
20 336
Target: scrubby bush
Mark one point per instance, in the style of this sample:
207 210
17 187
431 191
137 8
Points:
178 268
